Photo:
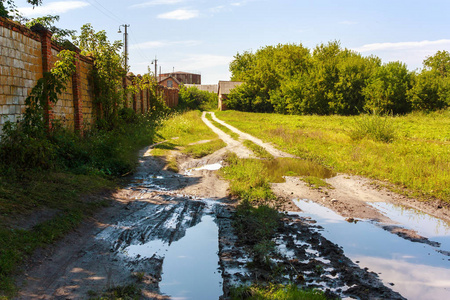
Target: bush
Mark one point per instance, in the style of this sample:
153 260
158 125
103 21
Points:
373 126
193 98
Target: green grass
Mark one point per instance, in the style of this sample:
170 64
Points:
60 192
275 292
225 129
186 127
416 161
204 149
257 150
57 181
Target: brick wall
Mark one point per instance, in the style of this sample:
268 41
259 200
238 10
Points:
25 55
20 68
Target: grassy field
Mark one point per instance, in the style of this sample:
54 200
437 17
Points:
414 158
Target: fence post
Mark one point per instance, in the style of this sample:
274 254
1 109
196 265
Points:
76 92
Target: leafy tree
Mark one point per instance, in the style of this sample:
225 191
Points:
431 89
440 62
8 8
194 98
59 34
387 89
107 72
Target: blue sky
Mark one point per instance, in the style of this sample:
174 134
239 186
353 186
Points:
203 36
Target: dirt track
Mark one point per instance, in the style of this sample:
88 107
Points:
159 209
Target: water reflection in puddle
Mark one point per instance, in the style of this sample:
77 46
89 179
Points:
190 268
415 269
426 225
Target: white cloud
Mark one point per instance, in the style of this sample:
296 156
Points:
52 8
403 45
180 14
161 44
156 2
410 53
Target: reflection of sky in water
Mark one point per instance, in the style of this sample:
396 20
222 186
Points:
190 267
426 225
416 269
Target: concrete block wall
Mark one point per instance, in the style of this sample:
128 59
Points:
25 56
20 68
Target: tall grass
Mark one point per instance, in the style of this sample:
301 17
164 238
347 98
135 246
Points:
416 161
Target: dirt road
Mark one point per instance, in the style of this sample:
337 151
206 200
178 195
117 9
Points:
170 235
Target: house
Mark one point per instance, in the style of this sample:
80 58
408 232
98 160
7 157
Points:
170 82
183 77
224 89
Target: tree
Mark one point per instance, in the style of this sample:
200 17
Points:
107 73
8 8
440 62
387 89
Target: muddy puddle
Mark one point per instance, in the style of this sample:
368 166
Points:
414 269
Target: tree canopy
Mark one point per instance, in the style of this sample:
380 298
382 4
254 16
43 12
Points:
330 79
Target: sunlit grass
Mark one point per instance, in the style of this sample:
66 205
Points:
225 129
257 149
203 149
418 159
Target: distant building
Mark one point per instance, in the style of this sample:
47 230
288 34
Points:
212 88
182 77
224 89
170 82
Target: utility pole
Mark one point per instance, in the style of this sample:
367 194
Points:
155 61
125 44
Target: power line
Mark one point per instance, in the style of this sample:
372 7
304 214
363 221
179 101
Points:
105 11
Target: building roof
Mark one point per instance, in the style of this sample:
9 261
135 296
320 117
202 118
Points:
214 88
170 77
226 86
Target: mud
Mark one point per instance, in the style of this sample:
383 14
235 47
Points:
172 235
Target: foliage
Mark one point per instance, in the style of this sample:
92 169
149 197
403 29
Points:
59 34
431 89
8 8
291 79
193 98
387 89
107 73
275 292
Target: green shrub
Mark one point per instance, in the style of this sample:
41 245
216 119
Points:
193 98
373 126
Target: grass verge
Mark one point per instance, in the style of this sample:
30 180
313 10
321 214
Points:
257 149
204 149
415 161
225 129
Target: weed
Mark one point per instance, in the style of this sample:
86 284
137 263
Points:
275 292
127 292
315 182
373 126
139 276
204 149
258 150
